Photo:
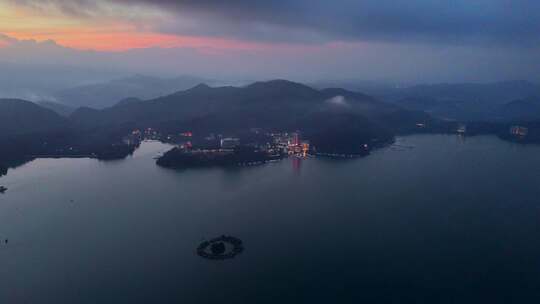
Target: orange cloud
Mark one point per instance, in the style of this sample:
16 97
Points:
101 34
109 33
121 41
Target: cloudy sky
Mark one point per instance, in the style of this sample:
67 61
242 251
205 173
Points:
397 40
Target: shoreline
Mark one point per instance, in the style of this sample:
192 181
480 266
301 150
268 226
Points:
6 166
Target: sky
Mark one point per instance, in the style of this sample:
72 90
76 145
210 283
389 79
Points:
307 40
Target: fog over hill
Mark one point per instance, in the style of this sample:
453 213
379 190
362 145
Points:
61 109
454 101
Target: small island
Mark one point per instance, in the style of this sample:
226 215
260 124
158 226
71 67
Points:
220 248
179 158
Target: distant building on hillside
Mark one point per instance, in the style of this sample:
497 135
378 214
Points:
295 139
230 143
519 131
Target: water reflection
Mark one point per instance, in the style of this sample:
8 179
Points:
461 138
297 164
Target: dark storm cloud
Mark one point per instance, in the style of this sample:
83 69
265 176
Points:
488 20
440 21
480 21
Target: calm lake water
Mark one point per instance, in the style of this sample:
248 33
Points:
435 219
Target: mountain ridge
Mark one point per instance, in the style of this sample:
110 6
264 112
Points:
275 97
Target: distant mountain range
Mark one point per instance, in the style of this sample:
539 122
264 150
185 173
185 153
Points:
464 102
526 109
491 93
102 95
494 93
470 102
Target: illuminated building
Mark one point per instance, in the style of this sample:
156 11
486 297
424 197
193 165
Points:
296 139
305 148
296 164
519 131
229 143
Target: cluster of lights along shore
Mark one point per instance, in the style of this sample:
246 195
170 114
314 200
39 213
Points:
289 143
281 143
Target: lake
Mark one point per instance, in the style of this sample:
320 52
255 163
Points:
432 219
